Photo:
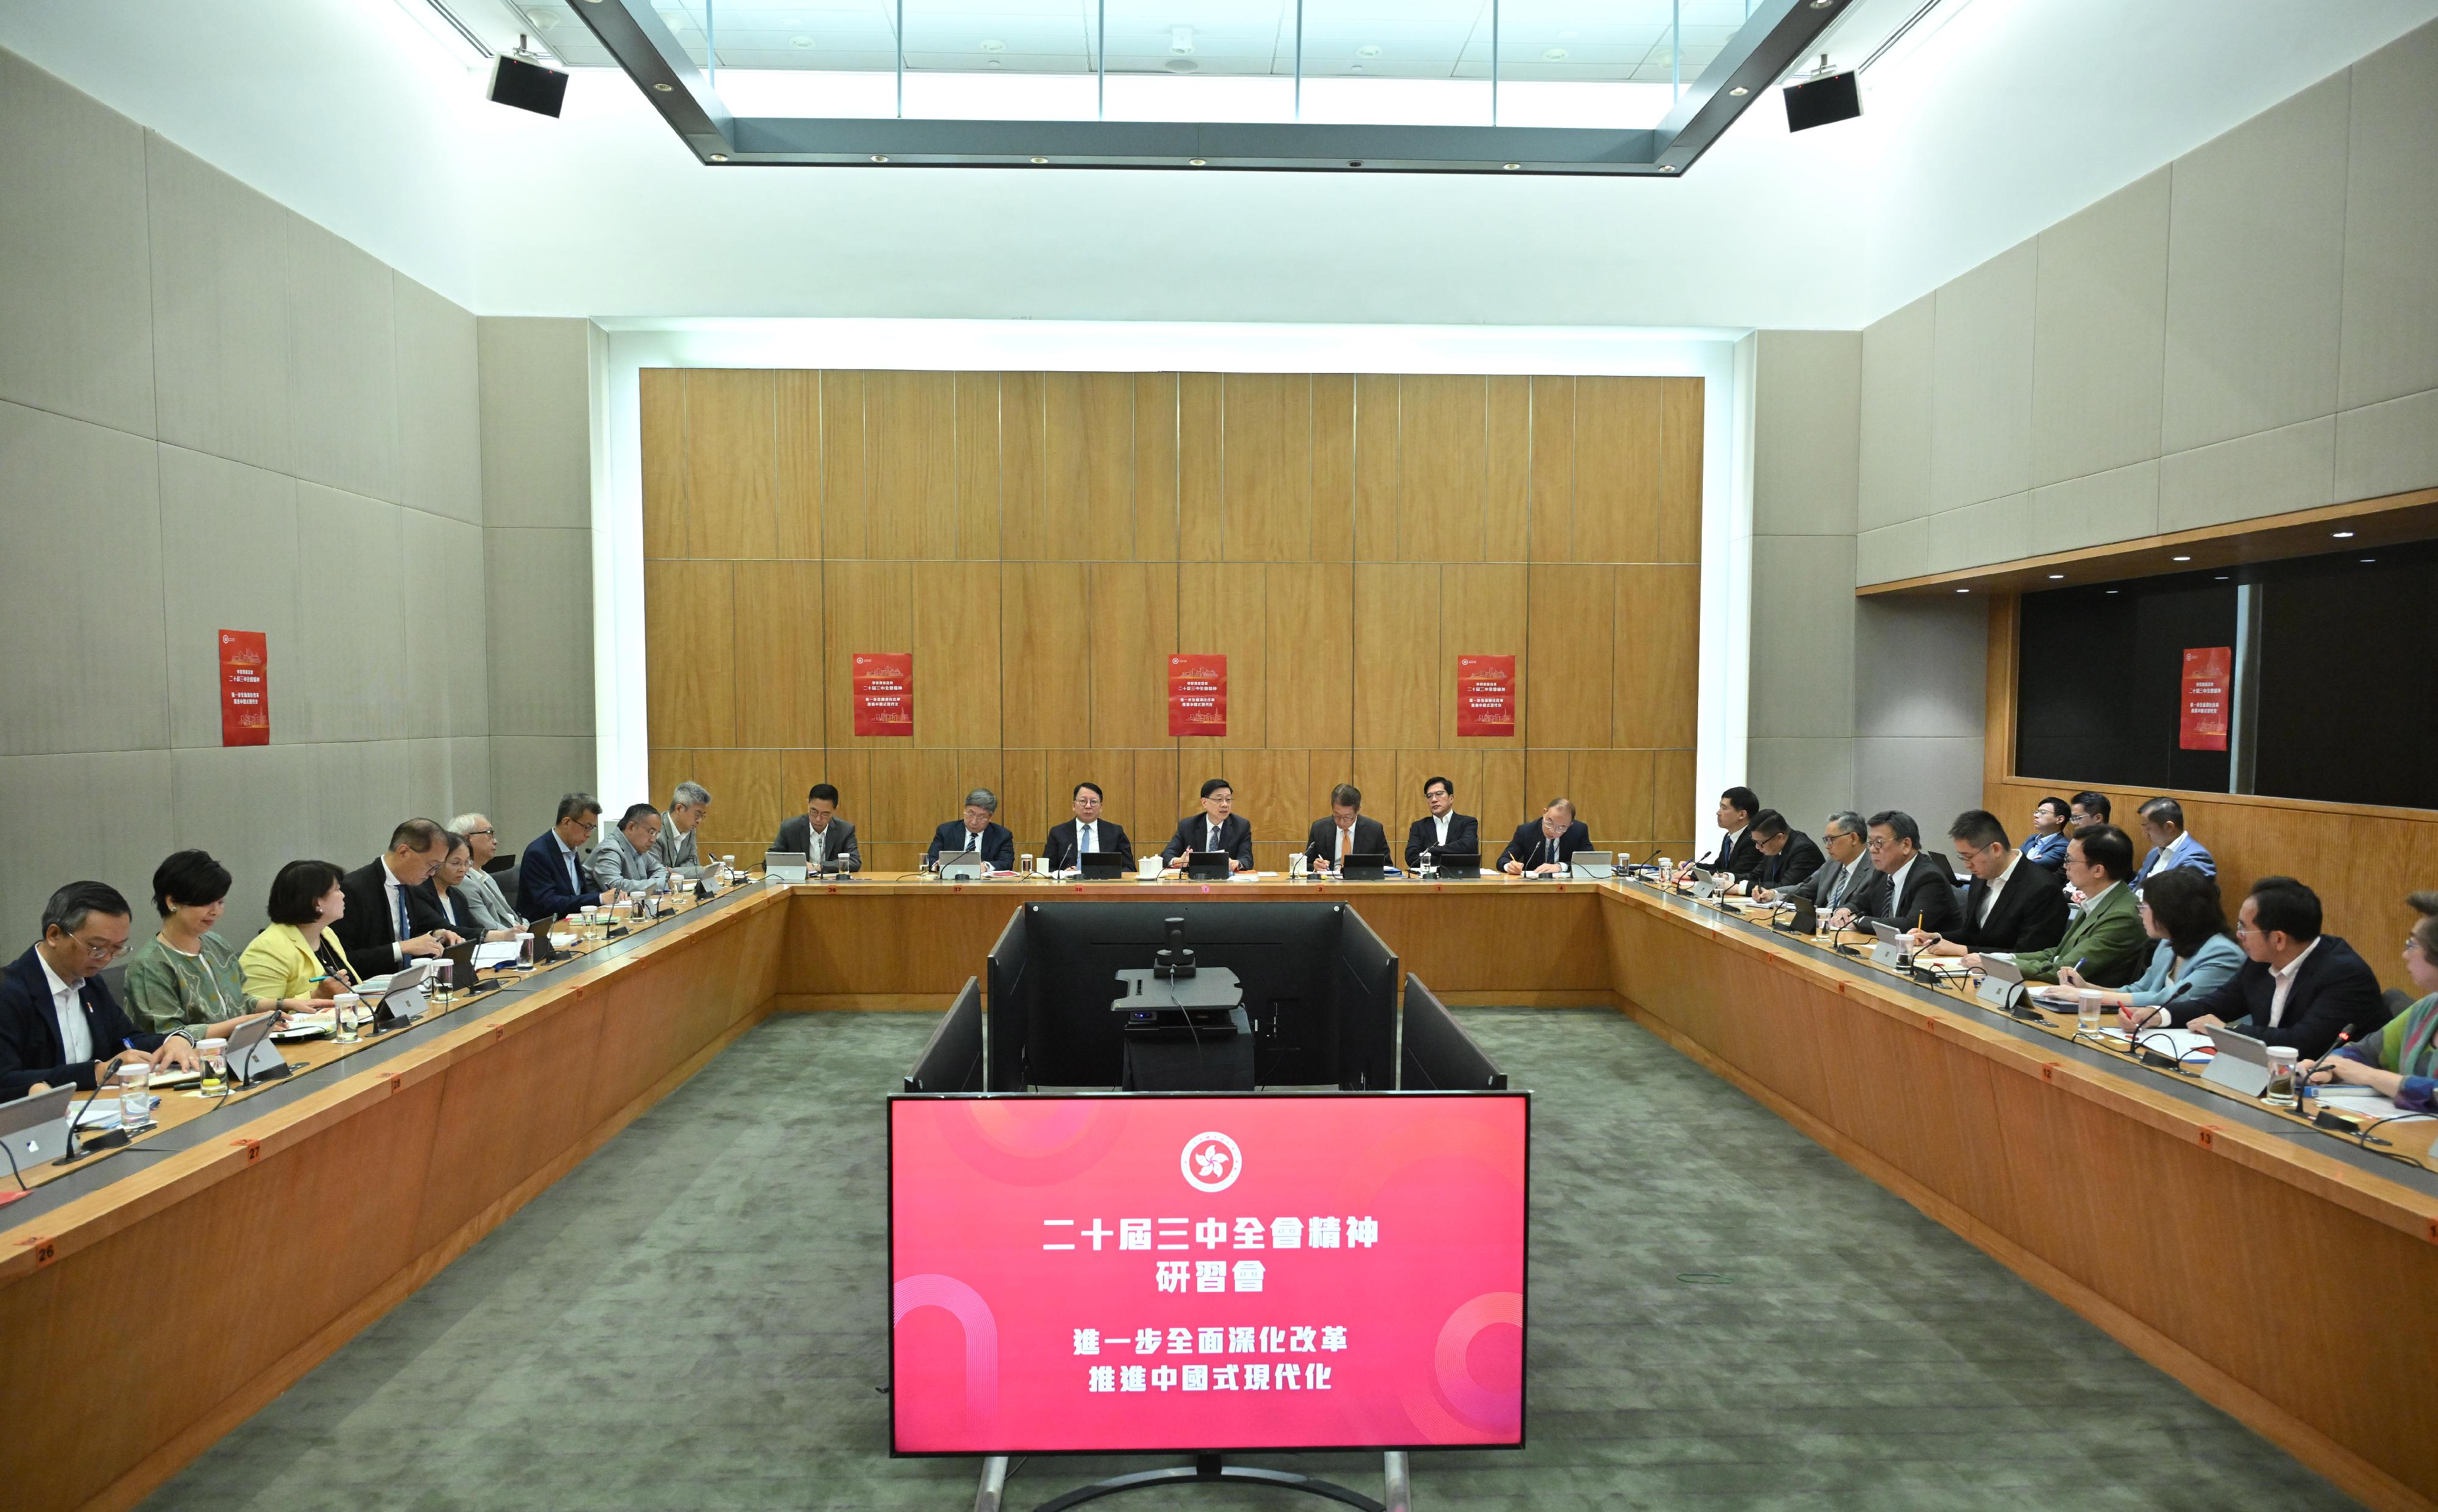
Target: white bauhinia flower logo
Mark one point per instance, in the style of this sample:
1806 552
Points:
1210 1162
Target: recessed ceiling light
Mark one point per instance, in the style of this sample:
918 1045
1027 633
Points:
1555 55
1198 162
1513 167
2369 558
1740 92
877 158
1819 4
663 88
1369 49
2112 592
2056 577
2221 577
800 42
2183 558
993 44
1567 35
1041 160
719 157
1667 168
1964 590
2344 535
992 62
1354 68
1181 65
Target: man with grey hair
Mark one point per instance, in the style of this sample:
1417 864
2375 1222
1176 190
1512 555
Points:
1840 880
675 847
1543 847
481 889
58 1023
978 831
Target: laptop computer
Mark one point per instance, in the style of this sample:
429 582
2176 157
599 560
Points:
1459 865
1584 868
1365 866
966 866
35 1128
1705 882
253 1059
1101 865
787 866
2241 1063
1208 866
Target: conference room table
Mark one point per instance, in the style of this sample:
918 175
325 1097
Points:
2284 1273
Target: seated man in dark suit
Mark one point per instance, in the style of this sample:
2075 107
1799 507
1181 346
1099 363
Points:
2300 988
2013 904
2105 943
1218 827
826 842
59 1025
1345 832
1788 856
1086 832
1839 880
1911 891
1739 852
1543 847
1443 831
379 931
977 832
551 880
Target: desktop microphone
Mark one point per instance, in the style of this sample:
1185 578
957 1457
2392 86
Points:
77 1148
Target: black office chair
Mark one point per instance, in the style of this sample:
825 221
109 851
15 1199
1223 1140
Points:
114 977
2395 1000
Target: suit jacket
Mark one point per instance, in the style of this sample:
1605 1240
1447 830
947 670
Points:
2029 914
2334 990
490 905
29 1031
677 852
1744 858
1464 838
617 865
1369 839
1235 837
997 843
2107 938
1532 847
543 888
2048 850
1928 899
424 912
1834 886
838 851
1060 845
2186 852
1790 866
367 930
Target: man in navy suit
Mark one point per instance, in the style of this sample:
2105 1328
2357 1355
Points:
977 832
59 1025
2171 846
1543 846
1345 832
1443 830
1086 831
1218 827
552 881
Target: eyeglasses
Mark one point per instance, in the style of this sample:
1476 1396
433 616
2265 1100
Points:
105 952
1878 842
470 833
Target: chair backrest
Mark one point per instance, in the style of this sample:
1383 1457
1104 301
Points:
114 977
2395 1000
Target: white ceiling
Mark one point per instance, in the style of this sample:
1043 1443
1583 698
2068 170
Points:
1997 118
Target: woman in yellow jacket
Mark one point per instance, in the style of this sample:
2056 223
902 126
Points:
296 956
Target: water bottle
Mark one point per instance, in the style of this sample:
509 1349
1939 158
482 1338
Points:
134 1096
1430 867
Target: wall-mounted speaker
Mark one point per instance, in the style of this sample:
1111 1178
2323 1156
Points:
1821 99
527 86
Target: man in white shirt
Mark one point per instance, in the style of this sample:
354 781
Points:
58 1023
1443 831
1086 833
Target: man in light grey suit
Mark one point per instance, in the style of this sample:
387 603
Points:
1843 876
481 890
625 862
675 847
825 840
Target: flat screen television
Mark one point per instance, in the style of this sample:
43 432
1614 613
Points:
1207 1272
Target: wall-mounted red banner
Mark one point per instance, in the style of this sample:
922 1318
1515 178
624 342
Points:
1197 695
245 688
1485 696
2207 672
884 693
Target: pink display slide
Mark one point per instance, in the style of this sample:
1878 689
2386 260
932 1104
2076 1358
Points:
1186 1272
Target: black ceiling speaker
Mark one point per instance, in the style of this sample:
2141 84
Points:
1821 99
529 86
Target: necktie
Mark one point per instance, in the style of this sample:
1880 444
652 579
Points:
1214 836
1083 839
404 931
1341 845
972 841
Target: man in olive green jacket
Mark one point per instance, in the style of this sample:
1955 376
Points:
2104 942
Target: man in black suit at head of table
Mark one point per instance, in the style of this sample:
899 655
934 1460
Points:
1543 847
977 832
1788 856
826 842
1443 831
1218 827
1086 832
1911 891
1345 832
2014 904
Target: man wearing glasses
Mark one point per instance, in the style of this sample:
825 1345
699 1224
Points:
488 904
551 881
59 1025
675 847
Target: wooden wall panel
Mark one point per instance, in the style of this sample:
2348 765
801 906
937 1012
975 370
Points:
1043 541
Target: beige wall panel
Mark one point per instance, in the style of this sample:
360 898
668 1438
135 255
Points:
1617 488
1672 801
977 446
1507 502
1680 470
1200 468
1481 614
1024 778
1089 466
1375 468
865 607
1443 467
1265 468
1152 809
844 509
1548 774
1224 610
1399 664
778 654
1270 793
957 663
796 488
1658 656
663 396
730 463
910 461
1046 639
1612 794
1553 470
1332 467
747 802
850 772
1311 654
1155 532
1024 529
1572 620
667 767
689 617
1132 628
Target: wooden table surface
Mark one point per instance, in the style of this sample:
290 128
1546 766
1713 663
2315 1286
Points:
2236 1248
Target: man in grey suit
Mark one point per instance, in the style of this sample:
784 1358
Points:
676 847
826 842
625 862
1842 878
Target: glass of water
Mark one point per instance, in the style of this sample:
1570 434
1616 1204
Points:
134 1096
2089 1005
2280 1091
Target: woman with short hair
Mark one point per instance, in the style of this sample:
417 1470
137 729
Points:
187 979
296 955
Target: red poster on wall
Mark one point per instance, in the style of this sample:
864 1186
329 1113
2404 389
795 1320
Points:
884 693
1197 695
1485 696
2207 672
245 688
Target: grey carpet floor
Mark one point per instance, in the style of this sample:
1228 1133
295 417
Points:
1723 1316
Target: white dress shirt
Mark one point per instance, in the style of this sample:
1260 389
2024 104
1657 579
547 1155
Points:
1990 900
816 844
574 870
1442 822
2284 976
76 1036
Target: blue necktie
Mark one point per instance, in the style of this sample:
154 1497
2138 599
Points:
405 930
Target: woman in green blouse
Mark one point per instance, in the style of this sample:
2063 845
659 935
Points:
187 979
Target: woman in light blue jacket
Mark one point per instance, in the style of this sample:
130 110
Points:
2195 950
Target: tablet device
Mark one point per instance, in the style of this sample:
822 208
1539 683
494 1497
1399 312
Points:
1459 865
35 1128
1589 870
1208 866
2241 1063
253 1059
1101 865
787 866
1365 866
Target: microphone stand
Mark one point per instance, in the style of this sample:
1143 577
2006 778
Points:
78 1149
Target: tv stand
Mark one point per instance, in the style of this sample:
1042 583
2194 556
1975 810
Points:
1206 1468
